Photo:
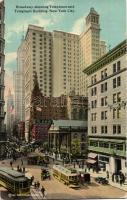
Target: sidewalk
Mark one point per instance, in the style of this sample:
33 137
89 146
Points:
103 174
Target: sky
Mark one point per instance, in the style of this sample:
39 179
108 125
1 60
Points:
112 22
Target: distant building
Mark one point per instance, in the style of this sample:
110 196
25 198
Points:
10 113
107 116
19 86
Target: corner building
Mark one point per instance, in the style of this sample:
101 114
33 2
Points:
107 115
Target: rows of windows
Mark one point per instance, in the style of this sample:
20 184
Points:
116 114
104 129
116 98
106 145
116 68
104 88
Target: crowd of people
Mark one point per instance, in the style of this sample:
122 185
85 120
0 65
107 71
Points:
117 177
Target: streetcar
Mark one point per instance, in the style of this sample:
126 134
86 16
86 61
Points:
66 176
15 182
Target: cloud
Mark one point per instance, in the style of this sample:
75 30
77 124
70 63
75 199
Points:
78 25
10 57
21 26
40 21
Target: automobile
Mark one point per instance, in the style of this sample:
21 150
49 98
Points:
45 174
101 180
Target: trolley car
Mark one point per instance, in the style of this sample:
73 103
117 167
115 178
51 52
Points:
15 182
66 176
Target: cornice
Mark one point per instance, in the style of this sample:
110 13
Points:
112 55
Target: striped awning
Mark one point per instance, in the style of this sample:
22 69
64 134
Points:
91 161
92 155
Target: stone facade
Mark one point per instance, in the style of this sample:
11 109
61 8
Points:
107 88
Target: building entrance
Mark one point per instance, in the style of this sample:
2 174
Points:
117 165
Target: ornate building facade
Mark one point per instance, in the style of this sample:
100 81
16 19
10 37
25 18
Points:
107 116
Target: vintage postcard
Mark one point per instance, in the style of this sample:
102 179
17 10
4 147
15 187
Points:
63 99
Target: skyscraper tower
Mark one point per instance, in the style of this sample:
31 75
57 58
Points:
2 43
91 47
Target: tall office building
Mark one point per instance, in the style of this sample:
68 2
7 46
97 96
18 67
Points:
107 115
10 113
2 71
65 68
18 84
37 51
91 47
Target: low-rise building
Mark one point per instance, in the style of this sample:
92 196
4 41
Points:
68 137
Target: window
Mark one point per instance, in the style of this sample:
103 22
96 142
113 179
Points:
93 79
104 74
103 115
117 129
114 98
94 143
114 113
104 87
94 104
116 67
93 91
104 144
104 130
93 116
117 97
104 101
119 146
94 129
116 82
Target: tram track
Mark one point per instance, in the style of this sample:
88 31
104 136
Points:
36 194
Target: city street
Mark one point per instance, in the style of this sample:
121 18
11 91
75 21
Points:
57 190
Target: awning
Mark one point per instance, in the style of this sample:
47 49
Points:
91 161
92 155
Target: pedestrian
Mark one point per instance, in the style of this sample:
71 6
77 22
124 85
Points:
43 191
35 185
117 178
107 172
32 179
18 168
121 180
74 164
113 177
11 163
23 169
21 161
38 184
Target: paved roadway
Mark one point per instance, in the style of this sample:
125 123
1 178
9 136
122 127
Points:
57 190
